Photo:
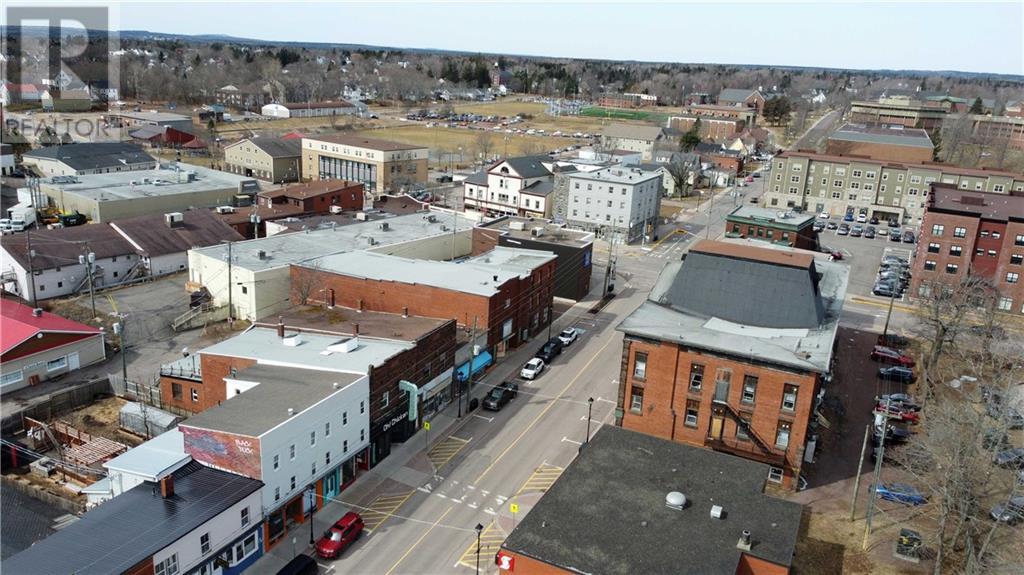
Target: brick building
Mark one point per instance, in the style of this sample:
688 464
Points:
899 110
742 98
710 128
506 293
616 510
966 232
389 348
627 100
783 228
730 350
382 166
891 142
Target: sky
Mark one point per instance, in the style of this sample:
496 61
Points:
985 37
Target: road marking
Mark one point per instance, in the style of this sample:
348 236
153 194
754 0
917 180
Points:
487 419
418 541
423 489
445 450
441 495
606 400
489 511
378 511
544 411
472 505
491 539
567 440
542 478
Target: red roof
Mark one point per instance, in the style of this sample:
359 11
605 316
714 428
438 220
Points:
17 324
194 143
293 136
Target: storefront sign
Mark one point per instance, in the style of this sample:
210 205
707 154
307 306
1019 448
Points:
392 422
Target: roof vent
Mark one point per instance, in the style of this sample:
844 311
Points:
292 340
37 312
744 542
261 254
344 346
717 512
431 218
291 412
371 241
675 500
361 216
384 226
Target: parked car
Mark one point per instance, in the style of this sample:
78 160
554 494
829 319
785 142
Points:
869 233
823 215
873 220
340 536
1013 458
893 223
891 356
895 236
550 350
895 411
500 395
897 373
818 226
848 217
857 231
568 336
831 225
909 237
889 258
843 229
893 433
1011 512
532 369
862 218
900 399
892 340
886 289
900 493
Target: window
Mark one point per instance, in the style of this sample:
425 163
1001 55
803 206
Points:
912 191
749 388
775 474
870 175
955 251
929 265
915 179
312 438
312 468
176 390
344 446
59 363
195 395
937 229
789 397
782 435
291 452
639 365
327 458
1016 259
344 418
952 268
11 377
204 543
996 235
1019 240
836 195
1005 303
168 566
636 402
854 185
959 232
362 434
1012 277
792 190
856 173
692 413
794 179
327 429
277 494
293 482
998 188
852 197
934 248
385 398
696 375
362 407
837 183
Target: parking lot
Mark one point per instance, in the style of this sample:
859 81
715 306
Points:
864 255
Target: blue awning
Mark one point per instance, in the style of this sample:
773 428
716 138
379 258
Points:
479 363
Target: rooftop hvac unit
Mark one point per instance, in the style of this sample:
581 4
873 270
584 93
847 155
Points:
337 209
225 210
717 512
537 232
261 255
431 218
361 216
517 225
344 346
292 341
371 241
174 219
384 226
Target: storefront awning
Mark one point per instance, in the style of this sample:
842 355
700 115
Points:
479 363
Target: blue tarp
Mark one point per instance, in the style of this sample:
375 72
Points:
479 362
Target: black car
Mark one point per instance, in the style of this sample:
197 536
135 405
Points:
897 373
869 233
500 395
909 237
874 221
893 223
895 236
893 433
550 350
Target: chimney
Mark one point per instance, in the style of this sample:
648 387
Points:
744 542
280 327
167 486
359 308
355 329
405 312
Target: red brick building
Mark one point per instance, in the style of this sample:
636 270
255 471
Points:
710 128
890 142
791 229
730 350
317 197
967 232
506 293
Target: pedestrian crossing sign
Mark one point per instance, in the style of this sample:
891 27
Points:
513 507
426 425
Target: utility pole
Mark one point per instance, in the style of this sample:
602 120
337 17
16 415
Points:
231 307
119 330
89 260
31 268
888 314
878 472
860 465
472 356
711 207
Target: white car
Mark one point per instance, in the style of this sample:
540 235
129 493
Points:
823 215
532 369
862 218
568 336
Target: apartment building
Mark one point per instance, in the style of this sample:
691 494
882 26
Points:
269 159
857 185
382 166
619 200
730 350
966 232
890 142
512 187
632 138
708 127
627 100
998 129
899 110
783 228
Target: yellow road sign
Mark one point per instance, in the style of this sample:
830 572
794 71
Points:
426 425
513 507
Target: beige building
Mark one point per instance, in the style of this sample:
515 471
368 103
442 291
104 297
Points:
269 159
382 166
633 138
887 190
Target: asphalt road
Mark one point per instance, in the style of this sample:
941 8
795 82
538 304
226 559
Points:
814 136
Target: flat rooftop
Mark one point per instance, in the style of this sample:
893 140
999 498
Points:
364 142
142 184
598 519
771 307
152 116
943 168
396 207
282 250
780 218
617 175
263 345
344 321
553 233
891 134
154 458
999 207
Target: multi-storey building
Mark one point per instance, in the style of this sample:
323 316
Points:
881 142
783 228
271 159
858 185
380 165
972 233
742 98
708 127
627 100
512 187
999 129
633 138
899 110
615 201
731 349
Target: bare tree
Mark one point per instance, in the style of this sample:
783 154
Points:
304 281
485 146
683 174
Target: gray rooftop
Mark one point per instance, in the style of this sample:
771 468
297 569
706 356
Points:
734 94
94 155
529 166
152 116
164 181
606 513
541 188
883 134
277 147
781 218
631 176
553 233
633 132
265 406
481 275
771 312
154 458
477 178
286 249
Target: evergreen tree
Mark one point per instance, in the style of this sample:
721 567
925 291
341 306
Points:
977 107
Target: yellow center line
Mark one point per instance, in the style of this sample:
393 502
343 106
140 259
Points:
418 541
542 413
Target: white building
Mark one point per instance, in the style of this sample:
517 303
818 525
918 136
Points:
633 138
309 109
615 200
512 187
89 158
6 159
151 461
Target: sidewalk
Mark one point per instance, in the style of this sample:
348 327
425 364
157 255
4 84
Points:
405 468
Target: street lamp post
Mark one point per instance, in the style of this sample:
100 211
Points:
590 409
479 529
312 502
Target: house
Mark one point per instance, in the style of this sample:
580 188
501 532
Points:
724 159
382 166
193 520
971 232
575 249
504 293
88 158
630 503
36 345
151 461
309 109
731 350
742 98
892 142
249 97
162 241
303 432
511 187
615 201
635 138
274 160
783 228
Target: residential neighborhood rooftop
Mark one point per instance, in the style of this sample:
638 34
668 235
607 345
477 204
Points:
619 175
153 459
62 246
780 218
607 513
18 323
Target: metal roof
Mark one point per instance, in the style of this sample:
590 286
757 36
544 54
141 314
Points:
128 529
607 514
154 458
276 147
735 94
198 228
527 166
93 155
142 184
